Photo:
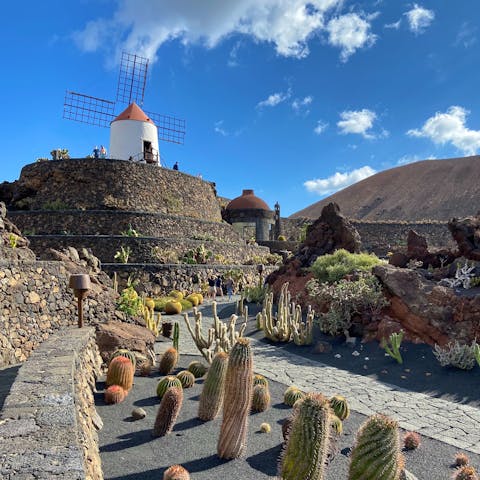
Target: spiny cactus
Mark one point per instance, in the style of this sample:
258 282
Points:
260 399
168 411
211 398
337 424
176 472
461 459
291 395
168 361
265 428
237 402
123 352
411 440
305 453
187 378
465 473
198 369
340 407
120 372
376 454
260 380
114 394
165 383
173 307
176 336
286 425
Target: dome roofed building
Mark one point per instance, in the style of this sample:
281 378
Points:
250 216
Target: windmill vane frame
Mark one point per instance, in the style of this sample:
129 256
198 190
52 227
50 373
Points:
131 85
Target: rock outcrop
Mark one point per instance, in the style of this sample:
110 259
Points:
13 246
466 232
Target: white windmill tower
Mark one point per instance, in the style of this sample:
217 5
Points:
134 133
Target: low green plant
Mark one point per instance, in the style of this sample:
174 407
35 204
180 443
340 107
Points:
130 232
55 205
13 240
281 238
392 345
130 302
199 255
476 352
255 294
60 154
457 354
334 267
123 254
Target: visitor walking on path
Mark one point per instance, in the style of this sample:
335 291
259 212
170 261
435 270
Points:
218 285
229 287
211 288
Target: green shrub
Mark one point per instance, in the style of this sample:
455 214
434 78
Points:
129 302
255 294
55 205
333 267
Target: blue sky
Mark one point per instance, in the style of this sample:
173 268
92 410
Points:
294 99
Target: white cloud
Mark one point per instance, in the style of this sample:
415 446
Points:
142 26
394 25
449 127
300 105
338 181
349 33
357 121
274 100
406 159
218 127
320 127
467 36
419 18
233 55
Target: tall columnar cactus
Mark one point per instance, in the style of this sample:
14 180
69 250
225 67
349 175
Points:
211 398
165 383
305 453
340 407
176 472
123 352
168 411
198 369
291 395
168 361
376 454
176 336
114 394
187 378
120 372
237 402
261 398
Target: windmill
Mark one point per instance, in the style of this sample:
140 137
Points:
134 133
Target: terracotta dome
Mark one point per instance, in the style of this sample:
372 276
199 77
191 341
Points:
247 200
133 112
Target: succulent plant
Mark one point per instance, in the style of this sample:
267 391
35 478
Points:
260 380
291 395
173 307
120 372
461 459
287 423
260 398
265 428
198 369
337 424
193 299
411 440
200 297
123 352
305 452
340 407
176 336
168 411
165 383
211 398
237 402
465 473
177 294
187 378
176 472
168 361
114 394
376 454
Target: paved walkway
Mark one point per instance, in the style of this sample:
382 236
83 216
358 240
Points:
449 422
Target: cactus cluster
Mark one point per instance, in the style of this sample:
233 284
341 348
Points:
340 407
120 372
168 361
167 382
176 472
187 378
168 411
211 398
260 398
291 395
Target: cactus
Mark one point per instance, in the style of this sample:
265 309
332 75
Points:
165 383
465 473
176 336
265 428
176 472
376 454
260 380
411 440
211 398
286 425
193 299
337 424
187 378
340 407
237 402
120 372
198 369
291 395
305 453
114 394
168 411
392 347
461 459
123 352
168 361
173 307
260 399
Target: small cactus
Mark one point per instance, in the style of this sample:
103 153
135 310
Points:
466 472
114 394
461 459
168 361
376 454
340 407
120 372
165 383
291 395
123 352
187 378
260 380
265 428
198 369
176 336
168 411
211 398
411 440
173 307
260 399
337 424
176 472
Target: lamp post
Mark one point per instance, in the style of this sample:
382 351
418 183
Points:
260 269
80 283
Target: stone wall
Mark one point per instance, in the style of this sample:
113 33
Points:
102 184
46 427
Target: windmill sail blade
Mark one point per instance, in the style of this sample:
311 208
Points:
170 129
132 78
87 109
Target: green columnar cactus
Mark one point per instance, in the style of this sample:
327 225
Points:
120 372
260 399
211 399
176 472
165 383
123 352
305 453
376 454
114 394
168 411
198 369
176 336
187 378
260 380
286 425
291 395
237 402
340 407
168 361
392 346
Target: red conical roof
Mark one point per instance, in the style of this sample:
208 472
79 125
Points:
246 201
133 112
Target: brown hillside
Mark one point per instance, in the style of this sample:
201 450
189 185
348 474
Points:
431 189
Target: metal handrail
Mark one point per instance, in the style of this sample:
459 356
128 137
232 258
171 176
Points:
150 157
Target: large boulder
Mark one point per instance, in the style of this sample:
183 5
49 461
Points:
466 232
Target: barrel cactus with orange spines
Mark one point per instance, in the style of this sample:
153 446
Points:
176 472
114 394
120 372
168 361
168 411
